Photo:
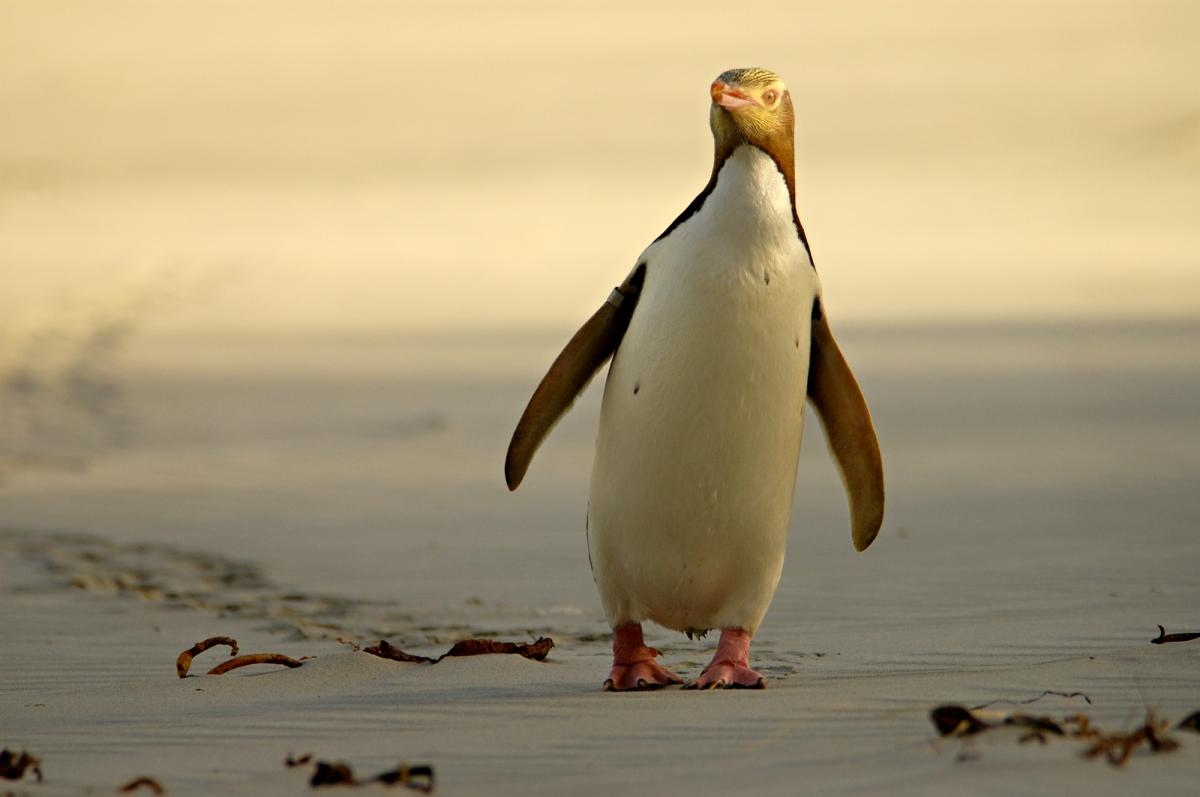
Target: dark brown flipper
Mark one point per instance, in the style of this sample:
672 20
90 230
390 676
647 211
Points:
843 411
583 356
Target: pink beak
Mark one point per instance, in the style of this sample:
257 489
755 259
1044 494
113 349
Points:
730 97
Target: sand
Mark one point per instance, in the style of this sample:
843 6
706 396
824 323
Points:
1040 563
90 687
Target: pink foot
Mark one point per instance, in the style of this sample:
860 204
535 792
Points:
634 666
730 665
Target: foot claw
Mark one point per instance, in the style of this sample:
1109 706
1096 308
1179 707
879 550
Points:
721 675
640 676
729 668
634 667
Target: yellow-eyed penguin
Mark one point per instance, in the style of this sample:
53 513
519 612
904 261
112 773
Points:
716 336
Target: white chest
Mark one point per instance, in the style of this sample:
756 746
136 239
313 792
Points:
703 411
726 304
742 237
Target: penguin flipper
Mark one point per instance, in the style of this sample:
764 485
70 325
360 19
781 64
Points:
570 373
843 411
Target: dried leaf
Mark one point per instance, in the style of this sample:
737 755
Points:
14 765
537 651
184 662
150 783
254 658
1163 636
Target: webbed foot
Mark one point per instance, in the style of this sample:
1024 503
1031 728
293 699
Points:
730 665
634 667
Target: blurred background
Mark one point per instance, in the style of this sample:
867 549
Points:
277 278
362 166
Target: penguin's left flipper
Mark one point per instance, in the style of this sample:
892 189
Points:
570 373
835 393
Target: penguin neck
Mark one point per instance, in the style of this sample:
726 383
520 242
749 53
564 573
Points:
778 152
749 184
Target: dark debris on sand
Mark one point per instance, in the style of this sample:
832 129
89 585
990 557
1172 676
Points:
184 662
537 651
149 784
1164 637
338 773
1116 748
14 765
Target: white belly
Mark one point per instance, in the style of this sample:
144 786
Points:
700 427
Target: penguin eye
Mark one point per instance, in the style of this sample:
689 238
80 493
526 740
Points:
769 96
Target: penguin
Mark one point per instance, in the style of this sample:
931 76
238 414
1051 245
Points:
716 336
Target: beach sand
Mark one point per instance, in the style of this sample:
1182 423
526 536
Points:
1042 562
90 687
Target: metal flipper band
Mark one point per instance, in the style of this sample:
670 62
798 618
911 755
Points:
616 297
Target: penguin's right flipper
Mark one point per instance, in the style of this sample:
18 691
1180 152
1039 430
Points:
570 373
835 393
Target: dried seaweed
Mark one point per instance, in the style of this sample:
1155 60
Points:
338 773
1163 636
955 720
385 650
1117 747
536 651
418 778
468 647
1027 701
1036 728
254 658
184 662
150 783
332 774
14 765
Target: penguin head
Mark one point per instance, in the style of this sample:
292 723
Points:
752 106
